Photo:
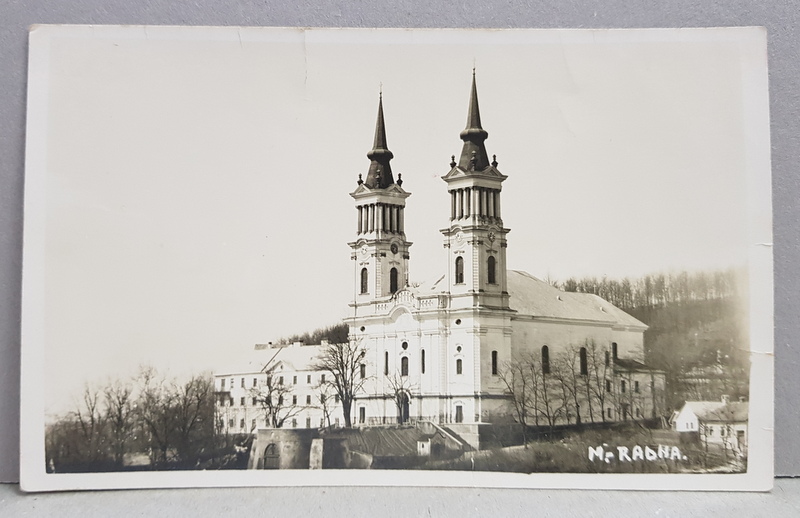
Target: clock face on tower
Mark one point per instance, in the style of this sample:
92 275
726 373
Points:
393 248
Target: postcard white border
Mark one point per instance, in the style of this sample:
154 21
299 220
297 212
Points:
760 459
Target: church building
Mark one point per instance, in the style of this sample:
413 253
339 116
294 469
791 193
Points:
445 351
438 350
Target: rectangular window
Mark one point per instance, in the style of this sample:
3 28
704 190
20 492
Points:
230 423
231 401
422 361
322 378
294 400
459 414
241 401
308 400
255 382
255 401
280 380
363 370
222 384
241 424
636 386
308 422
608 413
280 400
242 387
294 423
253 424
622 386
294 380
362 415
308 379
494 363
608 385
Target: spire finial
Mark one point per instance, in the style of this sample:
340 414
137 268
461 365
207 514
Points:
494 160
380 90
452 160
399 179
360 181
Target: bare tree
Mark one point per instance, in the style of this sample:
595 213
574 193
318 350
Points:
91 426
520 379
272 395
345 362
119 412
156 412
193 404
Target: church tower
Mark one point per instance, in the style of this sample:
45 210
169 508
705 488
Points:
380 251
476 238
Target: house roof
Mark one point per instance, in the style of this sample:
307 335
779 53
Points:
631 365
293 357
719 410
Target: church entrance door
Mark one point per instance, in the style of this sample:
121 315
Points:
403 409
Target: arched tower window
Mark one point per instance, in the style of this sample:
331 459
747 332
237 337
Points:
494 362
364 281
386 363
422 361
614 350
404 366
393 280
459 270
459 366
491 264
584 363
545 360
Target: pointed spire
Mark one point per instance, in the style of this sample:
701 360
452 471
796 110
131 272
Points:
380 172
473 154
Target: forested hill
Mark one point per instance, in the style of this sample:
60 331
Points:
694 326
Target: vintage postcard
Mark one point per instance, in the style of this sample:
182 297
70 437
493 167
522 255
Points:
501 258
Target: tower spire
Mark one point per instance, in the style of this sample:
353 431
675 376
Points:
379 175
473 154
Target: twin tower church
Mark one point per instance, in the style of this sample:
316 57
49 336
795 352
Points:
444 350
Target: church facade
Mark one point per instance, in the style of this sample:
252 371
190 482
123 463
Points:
455 350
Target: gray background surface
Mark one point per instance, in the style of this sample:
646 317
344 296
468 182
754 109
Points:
780 18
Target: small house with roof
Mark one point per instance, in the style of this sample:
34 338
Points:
722 423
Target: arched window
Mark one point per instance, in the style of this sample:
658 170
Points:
614 350
584 363
545 360
393 280
494 363
404 366
491 264
422 361
364 281
386 363
363 371
459 270
458 366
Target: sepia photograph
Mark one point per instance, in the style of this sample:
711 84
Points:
500 258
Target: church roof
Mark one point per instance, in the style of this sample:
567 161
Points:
534 297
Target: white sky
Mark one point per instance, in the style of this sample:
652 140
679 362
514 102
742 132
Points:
197 180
